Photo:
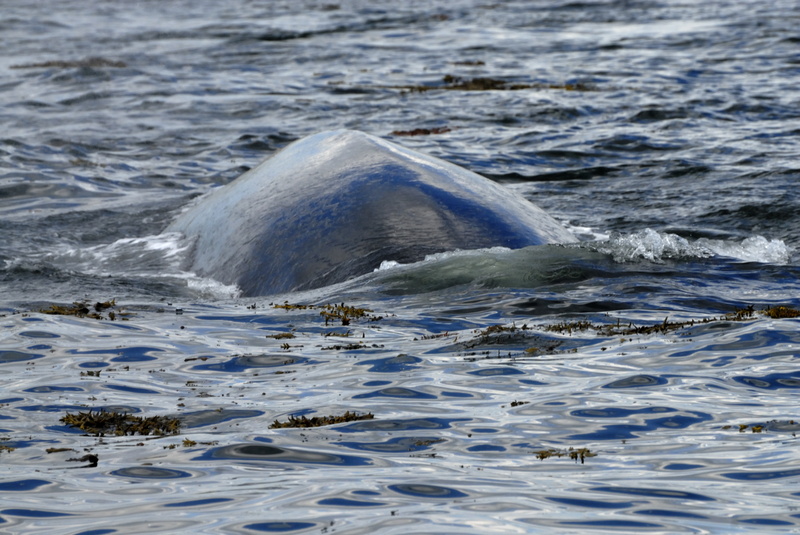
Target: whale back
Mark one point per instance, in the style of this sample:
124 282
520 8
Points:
335 205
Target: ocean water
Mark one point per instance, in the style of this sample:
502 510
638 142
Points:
643 380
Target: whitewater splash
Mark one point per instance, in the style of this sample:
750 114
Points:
658 247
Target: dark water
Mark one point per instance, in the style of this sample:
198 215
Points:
663 134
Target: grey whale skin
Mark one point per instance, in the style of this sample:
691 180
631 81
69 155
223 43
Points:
334 205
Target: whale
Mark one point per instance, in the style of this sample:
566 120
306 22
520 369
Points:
335 205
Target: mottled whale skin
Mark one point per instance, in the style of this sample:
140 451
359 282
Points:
334 205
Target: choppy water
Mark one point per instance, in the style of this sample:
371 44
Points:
664 134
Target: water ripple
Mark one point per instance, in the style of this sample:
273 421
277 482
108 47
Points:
262 452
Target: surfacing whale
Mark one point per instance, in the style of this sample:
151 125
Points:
334 205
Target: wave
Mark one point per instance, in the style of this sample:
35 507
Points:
155 264
547 265
130 267
144 256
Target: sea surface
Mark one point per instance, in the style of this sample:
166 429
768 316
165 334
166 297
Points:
644 380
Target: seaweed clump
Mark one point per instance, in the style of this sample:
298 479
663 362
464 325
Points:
576 455
346 313
773 425
457 83
666 326
281 336
624 329
84 309
89 63
346 347
319 421
333 313
422 131
781 312
507 334
102 423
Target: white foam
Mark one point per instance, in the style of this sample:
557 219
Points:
650 245
386 265
753 249
155 255
438 257
211 289
660 246
586 233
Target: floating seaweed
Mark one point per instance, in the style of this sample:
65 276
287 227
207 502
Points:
451 82
470 63
780 312
666 326
281 336
341 312
576 455
741 314
509 334
188 443
435 336
494 329
58 450
345 347
424 443
624 329
784 425
422 131
90 458
346 313
319 421
101 423
457 83
84 309
75 64
346 334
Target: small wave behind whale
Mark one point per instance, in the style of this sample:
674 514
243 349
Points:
550 265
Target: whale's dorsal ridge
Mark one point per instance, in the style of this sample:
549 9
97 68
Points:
332 206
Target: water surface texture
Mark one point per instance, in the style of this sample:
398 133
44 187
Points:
644 380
